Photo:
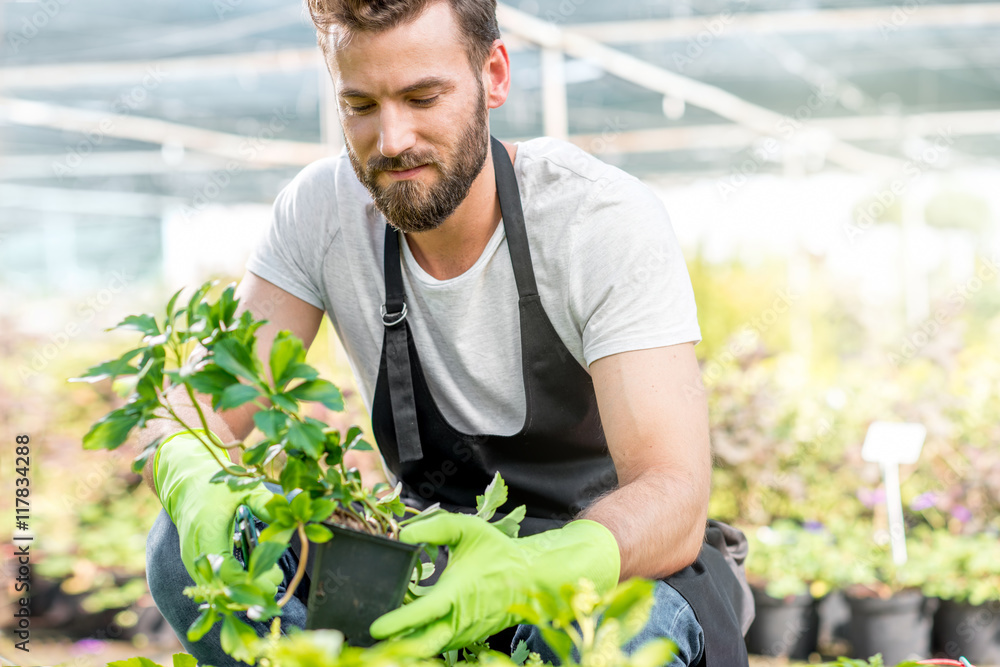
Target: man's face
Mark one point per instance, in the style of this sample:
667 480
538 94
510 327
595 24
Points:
414 117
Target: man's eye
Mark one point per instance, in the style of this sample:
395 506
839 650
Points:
360 109
425 101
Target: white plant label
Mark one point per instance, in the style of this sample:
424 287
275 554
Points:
890 444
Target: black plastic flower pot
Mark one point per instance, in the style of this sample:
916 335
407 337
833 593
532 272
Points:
783 627
898 627
357 577
834 623
972 631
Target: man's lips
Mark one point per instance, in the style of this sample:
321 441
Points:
403 175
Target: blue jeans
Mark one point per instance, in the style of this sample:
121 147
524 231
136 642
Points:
671 617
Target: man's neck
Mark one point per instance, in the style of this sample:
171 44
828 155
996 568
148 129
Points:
451 249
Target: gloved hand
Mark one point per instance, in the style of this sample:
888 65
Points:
204 513
487 572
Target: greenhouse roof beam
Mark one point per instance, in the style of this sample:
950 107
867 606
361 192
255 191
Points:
768 23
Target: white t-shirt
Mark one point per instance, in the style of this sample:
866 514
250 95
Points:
609 270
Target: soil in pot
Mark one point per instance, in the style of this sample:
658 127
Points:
783 627
898 627
968 630
357 577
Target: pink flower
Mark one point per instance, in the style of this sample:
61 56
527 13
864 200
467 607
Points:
925 500
871 497
961 512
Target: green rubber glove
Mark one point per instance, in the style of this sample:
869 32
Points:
488 572
204 513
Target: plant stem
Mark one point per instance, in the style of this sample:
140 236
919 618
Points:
300 571
211 451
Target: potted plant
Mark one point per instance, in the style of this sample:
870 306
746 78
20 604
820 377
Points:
964 573
788 570
889 612
324 502
583 628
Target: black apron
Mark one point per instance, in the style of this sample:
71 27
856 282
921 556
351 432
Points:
557 464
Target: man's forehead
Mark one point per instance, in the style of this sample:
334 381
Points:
428 46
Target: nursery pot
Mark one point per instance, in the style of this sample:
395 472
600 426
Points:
972 631
783 627
899 628
357 577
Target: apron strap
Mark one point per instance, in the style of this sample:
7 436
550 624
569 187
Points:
397 355
513 221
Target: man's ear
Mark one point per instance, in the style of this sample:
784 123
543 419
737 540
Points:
496 75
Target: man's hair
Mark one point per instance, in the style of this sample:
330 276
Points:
337 20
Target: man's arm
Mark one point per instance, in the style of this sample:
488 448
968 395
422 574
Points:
655 418
265 301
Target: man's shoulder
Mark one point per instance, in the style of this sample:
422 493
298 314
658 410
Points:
560 180
547 159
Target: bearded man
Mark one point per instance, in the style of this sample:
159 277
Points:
521 308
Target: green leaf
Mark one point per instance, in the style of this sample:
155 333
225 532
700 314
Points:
264 557
221 475
318 534
256 454
300 474
626 595
353 434
139 462
134 662
271 423
236 482
234 396
321 391
211 380
110 369
238 639
145 323
300 371
322 508
196 310
285 403
520 654
185 660
111 430
206 619
280 510
224 309
286 351
363 446
301 507
496 495
245 594
510 525
234 357
276 533
306 437
170 307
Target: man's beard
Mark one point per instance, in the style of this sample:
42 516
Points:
412 206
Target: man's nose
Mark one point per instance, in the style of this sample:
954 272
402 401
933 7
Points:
396 133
